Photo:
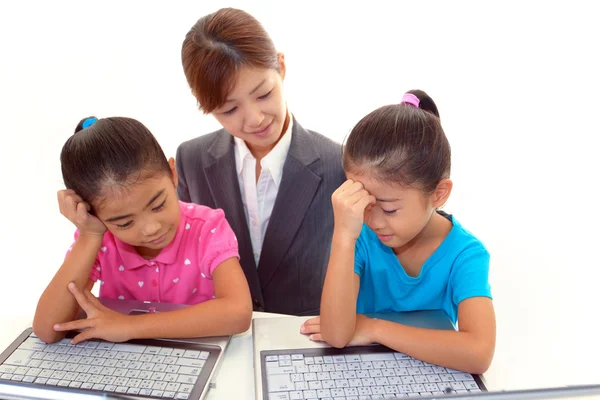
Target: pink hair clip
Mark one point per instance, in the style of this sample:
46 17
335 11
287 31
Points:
411 99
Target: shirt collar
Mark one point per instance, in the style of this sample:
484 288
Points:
273 161
168 255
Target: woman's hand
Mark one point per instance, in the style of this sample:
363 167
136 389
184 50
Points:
76 210
101 322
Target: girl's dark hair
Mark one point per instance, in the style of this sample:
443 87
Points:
216 47
401 143
116 151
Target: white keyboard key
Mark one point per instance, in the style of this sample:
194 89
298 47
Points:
191 354
157 393
19 357
29 379
279 383
17 378
110 388
173 387
133 390
471 385
168 395
7 369
190 362
182 396
187 379
463 377
186 388
154 350
130 348
145 392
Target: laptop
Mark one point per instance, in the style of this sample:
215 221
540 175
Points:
288 365
137 369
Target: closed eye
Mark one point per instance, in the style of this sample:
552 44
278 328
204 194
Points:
160 207
264 96
390 212
125 225
231 111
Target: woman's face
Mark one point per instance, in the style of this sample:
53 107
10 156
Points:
255 110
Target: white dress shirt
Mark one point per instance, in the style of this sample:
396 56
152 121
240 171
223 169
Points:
259 196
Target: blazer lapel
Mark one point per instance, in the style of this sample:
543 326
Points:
296 191
223 183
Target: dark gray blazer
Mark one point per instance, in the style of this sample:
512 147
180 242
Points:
293 261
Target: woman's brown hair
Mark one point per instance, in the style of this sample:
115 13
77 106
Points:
215 49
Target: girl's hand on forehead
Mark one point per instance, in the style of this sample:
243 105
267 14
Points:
76 210
349 203
101 322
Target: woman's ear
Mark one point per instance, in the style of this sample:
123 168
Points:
281 62
173 171
442 192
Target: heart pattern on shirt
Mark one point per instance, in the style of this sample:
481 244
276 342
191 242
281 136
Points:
187 226
175 280
195 290
213 230
190 207
103 249
121 297
156 269
140 283
202 273
187 261
98 268
121 268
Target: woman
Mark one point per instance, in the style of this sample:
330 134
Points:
273 178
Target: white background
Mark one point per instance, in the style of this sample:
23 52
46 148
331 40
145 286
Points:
516 84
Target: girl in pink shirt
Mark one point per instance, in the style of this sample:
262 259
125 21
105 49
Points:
138 242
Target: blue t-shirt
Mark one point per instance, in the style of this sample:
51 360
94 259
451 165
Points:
456 271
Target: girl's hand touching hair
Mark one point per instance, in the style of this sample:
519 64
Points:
349 203
73 207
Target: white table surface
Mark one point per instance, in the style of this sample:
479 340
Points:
519 363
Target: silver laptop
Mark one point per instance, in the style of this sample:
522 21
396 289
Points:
288 365
138 369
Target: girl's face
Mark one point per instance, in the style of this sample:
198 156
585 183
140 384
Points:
255 110
400 214
145 215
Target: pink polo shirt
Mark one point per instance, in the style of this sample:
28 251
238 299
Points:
182 271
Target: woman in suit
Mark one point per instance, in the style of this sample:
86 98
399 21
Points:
272 177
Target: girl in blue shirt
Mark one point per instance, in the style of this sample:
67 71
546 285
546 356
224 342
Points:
393 250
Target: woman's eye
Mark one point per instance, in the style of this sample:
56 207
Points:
264 96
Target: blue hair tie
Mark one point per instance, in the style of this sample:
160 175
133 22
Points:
89 122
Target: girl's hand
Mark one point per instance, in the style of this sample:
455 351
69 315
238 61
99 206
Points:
73 207
362 332
349 203
101 322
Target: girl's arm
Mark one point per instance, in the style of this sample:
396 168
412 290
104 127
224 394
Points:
56 303
229 313
470 349
340 290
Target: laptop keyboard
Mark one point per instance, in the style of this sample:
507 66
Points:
159 372
366 373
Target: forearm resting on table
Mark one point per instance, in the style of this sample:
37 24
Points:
338 301
212 318
463 351
57 304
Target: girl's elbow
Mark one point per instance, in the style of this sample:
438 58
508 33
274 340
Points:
46 333
243 318
335 338
482 360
